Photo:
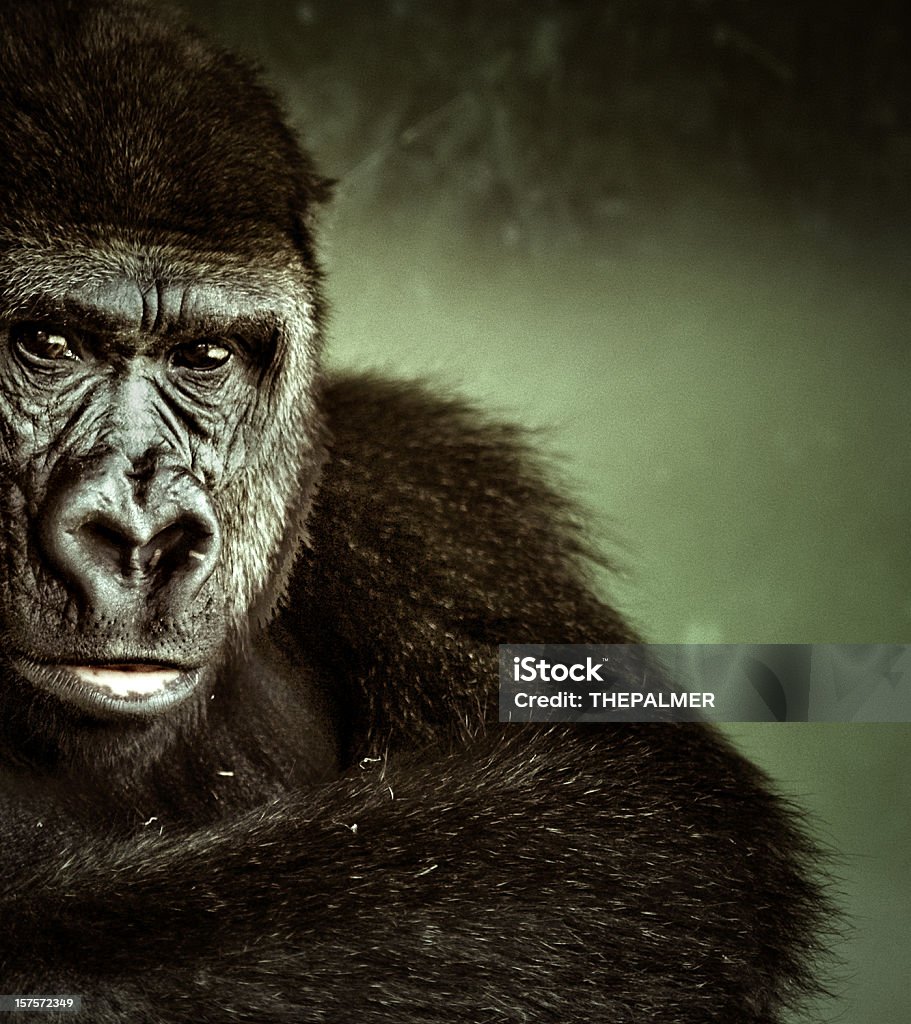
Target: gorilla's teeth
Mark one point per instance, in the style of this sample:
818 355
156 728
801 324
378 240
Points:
126 682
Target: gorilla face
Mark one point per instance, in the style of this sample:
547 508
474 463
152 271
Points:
158 364
141 402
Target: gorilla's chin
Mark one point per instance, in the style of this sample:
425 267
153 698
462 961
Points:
116 689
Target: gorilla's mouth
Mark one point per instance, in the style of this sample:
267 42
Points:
111 689
128 680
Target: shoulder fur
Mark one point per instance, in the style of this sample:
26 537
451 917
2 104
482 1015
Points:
434 538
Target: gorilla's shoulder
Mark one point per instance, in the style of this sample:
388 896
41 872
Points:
435 536
437 501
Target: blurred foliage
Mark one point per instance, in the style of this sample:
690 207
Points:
535 121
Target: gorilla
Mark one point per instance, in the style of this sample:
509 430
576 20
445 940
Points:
250 768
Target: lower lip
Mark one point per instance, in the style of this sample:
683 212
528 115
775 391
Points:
113 690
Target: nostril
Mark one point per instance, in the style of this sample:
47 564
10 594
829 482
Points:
179 546
109 547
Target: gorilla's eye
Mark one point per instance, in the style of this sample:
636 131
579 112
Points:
42 344
201 355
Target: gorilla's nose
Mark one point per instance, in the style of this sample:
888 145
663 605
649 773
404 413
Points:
122 537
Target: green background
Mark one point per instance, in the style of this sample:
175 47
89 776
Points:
675 237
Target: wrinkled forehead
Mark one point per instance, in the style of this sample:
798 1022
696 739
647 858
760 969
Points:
268 272
118 286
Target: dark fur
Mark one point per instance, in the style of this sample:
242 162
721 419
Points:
383 851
